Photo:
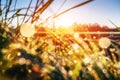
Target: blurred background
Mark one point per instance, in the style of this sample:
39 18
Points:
59 40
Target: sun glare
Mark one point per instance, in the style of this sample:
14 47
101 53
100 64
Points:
63 21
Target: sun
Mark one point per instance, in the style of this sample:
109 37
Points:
63 21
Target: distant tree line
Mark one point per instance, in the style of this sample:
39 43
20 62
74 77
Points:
95 28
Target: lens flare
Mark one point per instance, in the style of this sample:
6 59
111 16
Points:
104 42
27 29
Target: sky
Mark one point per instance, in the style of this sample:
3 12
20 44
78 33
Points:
97 11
